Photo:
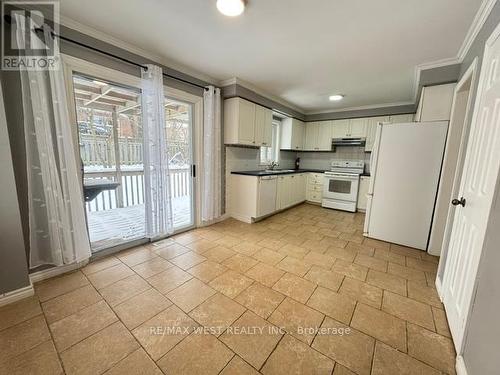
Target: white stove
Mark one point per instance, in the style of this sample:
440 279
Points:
341 185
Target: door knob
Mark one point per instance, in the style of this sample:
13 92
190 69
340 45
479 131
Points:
460 202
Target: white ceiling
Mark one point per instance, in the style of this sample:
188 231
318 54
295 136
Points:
298 50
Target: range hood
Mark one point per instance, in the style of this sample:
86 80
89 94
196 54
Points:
360 142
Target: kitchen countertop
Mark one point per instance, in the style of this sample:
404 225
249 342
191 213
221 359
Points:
277 172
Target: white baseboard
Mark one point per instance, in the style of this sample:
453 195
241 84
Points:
439 288
460 366
55 271
16 295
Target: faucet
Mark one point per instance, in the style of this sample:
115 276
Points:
272 165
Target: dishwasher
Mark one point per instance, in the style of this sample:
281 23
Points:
268 186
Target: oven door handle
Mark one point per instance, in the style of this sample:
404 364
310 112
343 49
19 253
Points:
352 176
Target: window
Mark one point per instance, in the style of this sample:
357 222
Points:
271 154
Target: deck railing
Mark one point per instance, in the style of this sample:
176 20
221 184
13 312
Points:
131 189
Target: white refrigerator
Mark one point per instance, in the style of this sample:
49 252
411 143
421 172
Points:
405 169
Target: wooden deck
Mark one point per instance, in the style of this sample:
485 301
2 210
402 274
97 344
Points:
116 226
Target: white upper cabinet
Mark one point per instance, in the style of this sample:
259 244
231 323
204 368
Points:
401 119
357 127
435 103
325 135
340 128
246 123
311 136
292 134
371 130
263 126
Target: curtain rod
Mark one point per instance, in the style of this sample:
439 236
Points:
54 35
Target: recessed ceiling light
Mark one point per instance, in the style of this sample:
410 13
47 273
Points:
231 8
336 98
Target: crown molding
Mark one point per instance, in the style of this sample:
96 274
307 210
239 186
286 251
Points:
258 90
478 22
360 108
94 33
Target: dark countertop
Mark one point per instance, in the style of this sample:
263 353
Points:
277 172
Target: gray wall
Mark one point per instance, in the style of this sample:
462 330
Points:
13 264
481 343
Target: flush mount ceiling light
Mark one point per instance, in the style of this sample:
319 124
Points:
231 8
336 97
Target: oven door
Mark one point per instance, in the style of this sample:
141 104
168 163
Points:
341 187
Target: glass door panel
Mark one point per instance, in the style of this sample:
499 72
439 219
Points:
179 133
111 151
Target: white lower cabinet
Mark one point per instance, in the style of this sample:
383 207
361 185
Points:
314 187
364 183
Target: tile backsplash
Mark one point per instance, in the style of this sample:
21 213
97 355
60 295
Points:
322 160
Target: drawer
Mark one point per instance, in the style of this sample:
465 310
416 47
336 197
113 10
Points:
313 196
317 188
315 180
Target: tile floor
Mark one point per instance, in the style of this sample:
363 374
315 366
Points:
300 292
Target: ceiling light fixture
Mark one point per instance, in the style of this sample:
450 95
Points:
336 98
231 8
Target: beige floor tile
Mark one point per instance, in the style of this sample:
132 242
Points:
321 260
389 361
186 238
168 280
19 311
295 287
41 360
99 352
196 354
315 245
188 260
247 248
268 256
124 289
110 275
51 288
217 313
153 246
24 336
165 330
74 328
408 309
353 238
201 245
209 234
341 370
335 242
237 366
231 283
190 294
252 338
431 348
218 254
421 265
136 256
352 270
271 244
260 299
228 241
265 274
294 251
325 278
441 322
371 262
389 256
376 243
70 303
387 281
171 251
347 255
152 267
332 304
100 265
406 251
380 325
424 294
207 271
361 249
136 363
141 307
294 357
346 346
297 319
362 292
406 273
240 263
293 265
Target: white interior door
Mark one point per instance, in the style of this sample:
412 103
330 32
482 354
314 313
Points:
477 187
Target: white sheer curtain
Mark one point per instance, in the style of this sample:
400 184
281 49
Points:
58 232
212 166
159 221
